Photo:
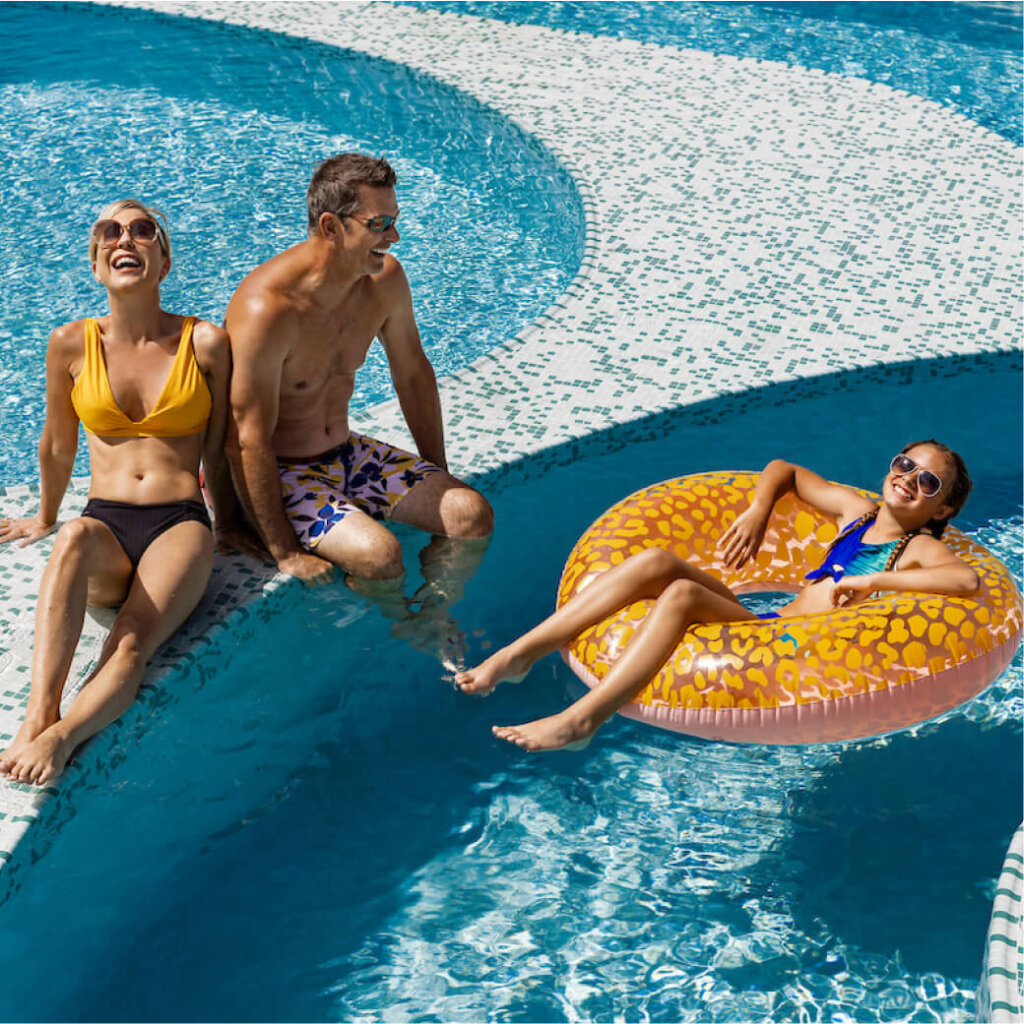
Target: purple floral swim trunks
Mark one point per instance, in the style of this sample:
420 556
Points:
361 474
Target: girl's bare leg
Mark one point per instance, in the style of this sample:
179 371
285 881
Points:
644 575
681 604
170 579
87 565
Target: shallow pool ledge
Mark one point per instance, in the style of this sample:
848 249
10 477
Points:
207 640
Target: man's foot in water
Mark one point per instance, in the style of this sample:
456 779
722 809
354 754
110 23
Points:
438 635
564 731
502 666
39 761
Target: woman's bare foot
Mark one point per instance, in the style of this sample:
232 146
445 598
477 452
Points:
41 760
31 728
502 666
563 731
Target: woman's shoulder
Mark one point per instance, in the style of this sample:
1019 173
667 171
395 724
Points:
69 338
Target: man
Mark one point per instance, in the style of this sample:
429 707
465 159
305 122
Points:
300 326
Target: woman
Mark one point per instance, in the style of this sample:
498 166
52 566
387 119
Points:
150 388
889 547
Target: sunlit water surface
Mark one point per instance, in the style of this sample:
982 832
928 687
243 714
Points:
222 128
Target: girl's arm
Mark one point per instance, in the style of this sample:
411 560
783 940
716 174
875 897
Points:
929 568
59 442
742 539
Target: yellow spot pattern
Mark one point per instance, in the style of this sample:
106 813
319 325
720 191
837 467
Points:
881 645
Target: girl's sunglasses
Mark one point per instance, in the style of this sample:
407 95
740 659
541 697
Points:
904 465
108 232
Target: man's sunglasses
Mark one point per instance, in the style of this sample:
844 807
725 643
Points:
904 465
108 232
378 225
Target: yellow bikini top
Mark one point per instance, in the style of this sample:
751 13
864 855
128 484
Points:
183 406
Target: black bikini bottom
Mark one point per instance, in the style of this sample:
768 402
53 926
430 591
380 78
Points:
135 527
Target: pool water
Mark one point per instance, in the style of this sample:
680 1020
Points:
103 103
964 55
324 829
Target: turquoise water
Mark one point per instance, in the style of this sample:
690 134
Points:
100 103
327 831
966 56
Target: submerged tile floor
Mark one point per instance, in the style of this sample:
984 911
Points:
748 222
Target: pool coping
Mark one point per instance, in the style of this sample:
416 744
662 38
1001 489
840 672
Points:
1001 991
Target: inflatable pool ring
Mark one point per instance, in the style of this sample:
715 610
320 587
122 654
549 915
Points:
880 665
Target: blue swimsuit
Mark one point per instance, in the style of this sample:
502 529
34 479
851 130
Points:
851 556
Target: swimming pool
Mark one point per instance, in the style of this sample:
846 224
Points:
257 848
226 148
358 847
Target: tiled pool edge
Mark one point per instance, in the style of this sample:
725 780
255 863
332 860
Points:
1001 992
476 452
227 614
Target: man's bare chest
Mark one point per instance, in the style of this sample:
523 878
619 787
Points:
324 353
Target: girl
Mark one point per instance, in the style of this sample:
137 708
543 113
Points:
892 546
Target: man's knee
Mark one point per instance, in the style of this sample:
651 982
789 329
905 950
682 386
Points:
374 556
467 514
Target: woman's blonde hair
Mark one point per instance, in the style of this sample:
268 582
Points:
112 209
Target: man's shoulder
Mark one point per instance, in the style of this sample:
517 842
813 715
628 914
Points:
389 285
263 299
392 274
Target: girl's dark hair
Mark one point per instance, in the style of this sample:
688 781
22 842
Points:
958 491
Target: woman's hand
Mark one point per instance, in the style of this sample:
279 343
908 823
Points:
851 589
742 539
30 529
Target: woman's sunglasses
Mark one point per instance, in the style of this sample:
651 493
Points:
904 465
108 232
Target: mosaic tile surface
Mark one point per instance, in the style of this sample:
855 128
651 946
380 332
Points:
1001 993
748 223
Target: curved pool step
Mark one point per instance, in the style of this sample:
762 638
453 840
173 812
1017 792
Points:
1001 991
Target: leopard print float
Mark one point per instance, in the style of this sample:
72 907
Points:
881 665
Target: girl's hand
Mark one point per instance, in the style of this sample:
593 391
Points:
742 539
851 589
31 529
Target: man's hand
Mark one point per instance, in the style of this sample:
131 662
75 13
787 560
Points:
31 529
241 540
310 569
